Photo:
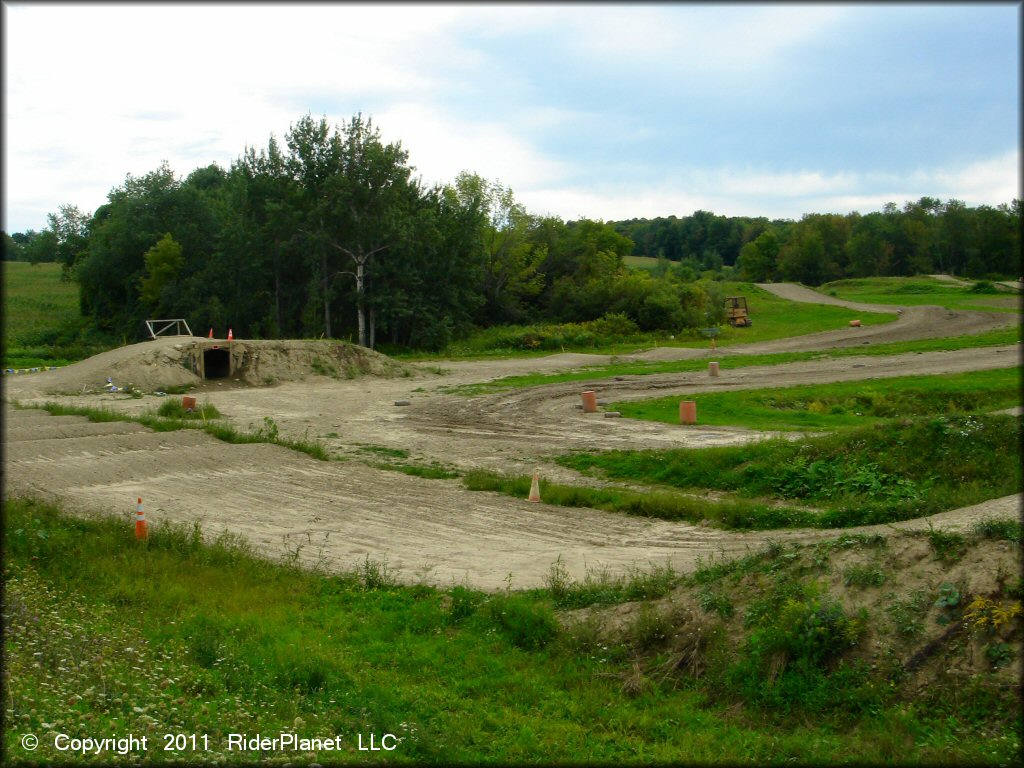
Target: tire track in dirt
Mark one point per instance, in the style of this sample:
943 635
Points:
333 515
336 514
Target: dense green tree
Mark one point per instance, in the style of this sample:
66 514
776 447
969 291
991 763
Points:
758 259
42 248
163 264
354 196
512 260
70 228
13 251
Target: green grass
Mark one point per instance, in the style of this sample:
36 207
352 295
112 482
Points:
916 291
999 337
816 407
648 263
433 471
35 300
42 321
777 318
741 514
106 635
173 408
883 473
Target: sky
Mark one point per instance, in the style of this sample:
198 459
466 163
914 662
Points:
603 111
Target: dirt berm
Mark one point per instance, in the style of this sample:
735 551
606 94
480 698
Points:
187 361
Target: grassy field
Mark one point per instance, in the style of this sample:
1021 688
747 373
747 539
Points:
36 302
108 636
648 263
42 322
914 291
844 404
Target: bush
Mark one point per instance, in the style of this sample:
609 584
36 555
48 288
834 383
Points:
527 624
983 286
792 660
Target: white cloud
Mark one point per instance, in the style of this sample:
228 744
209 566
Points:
440 146
750 192
719 39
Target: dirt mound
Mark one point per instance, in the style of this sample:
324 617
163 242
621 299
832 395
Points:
186 361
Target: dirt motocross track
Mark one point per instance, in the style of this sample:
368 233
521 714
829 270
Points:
334 514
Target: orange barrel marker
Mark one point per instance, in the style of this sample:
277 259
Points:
589 401
687 412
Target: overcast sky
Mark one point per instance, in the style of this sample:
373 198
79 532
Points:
602 111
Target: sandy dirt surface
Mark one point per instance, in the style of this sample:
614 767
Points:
337 513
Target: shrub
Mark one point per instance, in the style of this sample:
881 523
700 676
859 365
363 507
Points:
464 603
527 624
990 528
983 286
792 658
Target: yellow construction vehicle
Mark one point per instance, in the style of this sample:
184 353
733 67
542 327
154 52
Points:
736 311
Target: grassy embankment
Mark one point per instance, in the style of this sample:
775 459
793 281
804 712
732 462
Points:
105 635
920 446
915 291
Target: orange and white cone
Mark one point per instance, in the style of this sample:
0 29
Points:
211 334
141 530
535 488
230 335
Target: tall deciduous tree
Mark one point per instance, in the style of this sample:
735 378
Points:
70 228
354 192
163 264
511 275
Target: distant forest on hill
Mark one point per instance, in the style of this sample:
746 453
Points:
924 237
332 234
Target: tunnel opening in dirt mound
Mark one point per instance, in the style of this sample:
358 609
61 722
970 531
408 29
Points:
167 364
216 363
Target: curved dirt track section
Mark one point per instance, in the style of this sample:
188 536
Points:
334 514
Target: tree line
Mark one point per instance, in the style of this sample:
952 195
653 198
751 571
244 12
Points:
923 237
332 234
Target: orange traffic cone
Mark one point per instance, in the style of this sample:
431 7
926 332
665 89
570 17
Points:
230 335
211 334
535 488
141 531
